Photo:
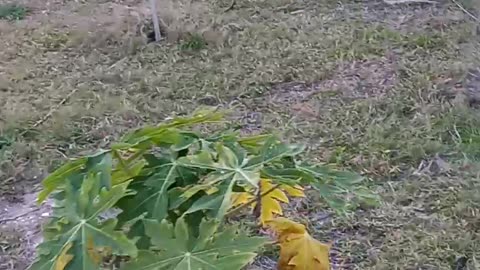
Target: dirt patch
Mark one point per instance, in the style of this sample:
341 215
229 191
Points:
20 231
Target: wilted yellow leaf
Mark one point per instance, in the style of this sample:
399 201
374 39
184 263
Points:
64 258
294 191
240 198
271 199
298 250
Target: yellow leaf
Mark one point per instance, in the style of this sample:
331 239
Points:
295 191
298 250
270 201
240 198
64 258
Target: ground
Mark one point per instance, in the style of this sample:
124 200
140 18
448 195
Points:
382 88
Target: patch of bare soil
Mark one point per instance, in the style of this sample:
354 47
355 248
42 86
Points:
20 231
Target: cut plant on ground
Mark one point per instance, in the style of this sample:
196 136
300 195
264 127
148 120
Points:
383 90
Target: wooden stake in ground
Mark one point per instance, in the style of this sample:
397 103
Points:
156 25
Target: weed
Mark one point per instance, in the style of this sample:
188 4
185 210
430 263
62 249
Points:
12 12
193 42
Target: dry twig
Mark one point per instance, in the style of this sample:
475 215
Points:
475 18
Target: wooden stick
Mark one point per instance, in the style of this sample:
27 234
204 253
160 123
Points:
156 25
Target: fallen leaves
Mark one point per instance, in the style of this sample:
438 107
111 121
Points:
298 250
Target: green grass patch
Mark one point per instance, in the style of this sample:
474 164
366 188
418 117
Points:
193 42
12 12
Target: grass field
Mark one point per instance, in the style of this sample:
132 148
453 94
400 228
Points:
382 89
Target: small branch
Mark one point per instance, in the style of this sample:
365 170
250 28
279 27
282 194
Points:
239 208
475 18
156 25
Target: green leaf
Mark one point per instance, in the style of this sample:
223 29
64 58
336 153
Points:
289 176
186 140
179 249
79 166
227 171
166 134
232 167
149 137
122 174
340 189
153 188
326 172
229 166
217 203
152 192
254 143
55 179
75 236
274 150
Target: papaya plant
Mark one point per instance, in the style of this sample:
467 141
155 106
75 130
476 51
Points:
161 196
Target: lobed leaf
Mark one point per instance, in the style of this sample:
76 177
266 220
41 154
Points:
166 134
75 236
92 163
337 187
270 199
298 250
179 249
152 189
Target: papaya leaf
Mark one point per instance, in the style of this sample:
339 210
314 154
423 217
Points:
152 190
129 165
230 165
254 143
179 249
233 167
298 250
227 171
75 236
287 175
79 166
122 174
217 203
274 150
55 179
166 134
340 189
271 198
186 140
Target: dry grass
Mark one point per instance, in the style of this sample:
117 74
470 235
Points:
372 87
